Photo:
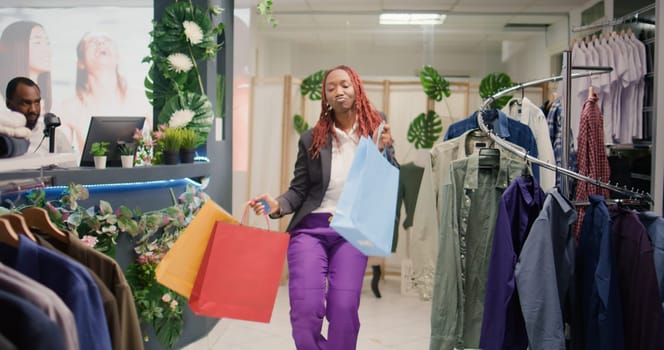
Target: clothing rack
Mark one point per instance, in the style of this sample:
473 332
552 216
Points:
562 170
620 20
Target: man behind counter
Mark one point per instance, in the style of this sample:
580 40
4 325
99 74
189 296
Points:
23 96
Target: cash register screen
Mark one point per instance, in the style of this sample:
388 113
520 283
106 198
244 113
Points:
111 130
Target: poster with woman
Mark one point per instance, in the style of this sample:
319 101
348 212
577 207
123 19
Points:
86 60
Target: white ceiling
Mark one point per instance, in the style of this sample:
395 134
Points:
471 25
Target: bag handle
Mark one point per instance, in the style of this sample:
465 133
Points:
377 133
244 217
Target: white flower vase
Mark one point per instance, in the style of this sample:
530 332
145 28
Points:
127 161
100 162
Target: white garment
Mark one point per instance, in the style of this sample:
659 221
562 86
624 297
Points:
579 87
62 145
531 115
628 95
343 153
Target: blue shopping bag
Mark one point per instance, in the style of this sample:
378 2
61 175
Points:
366 210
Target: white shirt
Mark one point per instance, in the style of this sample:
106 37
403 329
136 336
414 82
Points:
531 115
62 144
343 153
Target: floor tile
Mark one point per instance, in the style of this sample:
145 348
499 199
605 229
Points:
391 322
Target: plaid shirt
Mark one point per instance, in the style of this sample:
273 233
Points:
592 154
554 117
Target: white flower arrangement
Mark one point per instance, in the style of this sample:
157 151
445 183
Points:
181 118
193 32
180 62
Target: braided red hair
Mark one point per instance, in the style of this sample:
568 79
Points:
367 117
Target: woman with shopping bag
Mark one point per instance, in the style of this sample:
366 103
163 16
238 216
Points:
317 255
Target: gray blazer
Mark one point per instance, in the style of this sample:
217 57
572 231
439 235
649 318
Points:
310 180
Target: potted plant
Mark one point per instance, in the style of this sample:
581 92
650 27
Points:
170 143
127 150
99 151
188 145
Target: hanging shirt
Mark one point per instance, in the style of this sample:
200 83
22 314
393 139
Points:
592 154
70 281
554 120
655 226
643 320
44 299
544 272
529 114
425 229
410 178
503 326
505 127
26 326
128 333
598 322
466 232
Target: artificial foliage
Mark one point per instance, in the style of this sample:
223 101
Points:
300 124
200 114
183 37
494 83
425 130
265 9
311 85
435 86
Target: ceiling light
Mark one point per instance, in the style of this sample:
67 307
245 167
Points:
411 18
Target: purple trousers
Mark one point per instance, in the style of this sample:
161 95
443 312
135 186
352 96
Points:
326 274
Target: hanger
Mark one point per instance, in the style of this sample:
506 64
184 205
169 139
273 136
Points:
38 217
525 172
7 234
19 225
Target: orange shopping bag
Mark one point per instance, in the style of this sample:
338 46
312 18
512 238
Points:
177 270
240 273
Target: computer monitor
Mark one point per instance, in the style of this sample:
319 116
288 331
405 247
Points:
111 130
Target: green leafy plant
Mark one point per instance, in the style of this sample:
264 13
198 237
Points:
435 86
265 8
494 83
187 138
126 148
425 130
300 124
183 37
311 85
172 140
191 111
99 149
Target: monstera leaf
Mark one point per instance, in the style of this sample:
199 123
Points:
198 105
435 86
425 130
299 124
168 35
311 85
494 83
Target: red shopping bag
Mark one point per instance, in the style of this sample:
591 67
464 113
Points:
239 275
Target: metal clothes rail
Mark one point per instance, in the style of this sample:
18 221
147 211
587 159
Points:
561 170
620 20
